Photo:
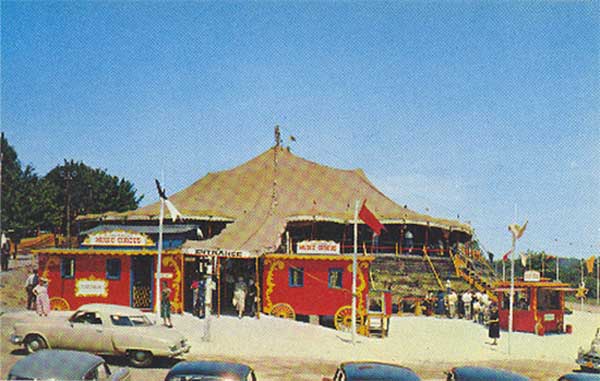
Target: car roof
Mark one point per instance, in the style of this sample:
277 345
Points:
377 371
110 309
210 368
56 364
479 373
581 377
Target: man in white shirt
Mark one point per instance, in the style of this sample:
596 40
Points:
466 299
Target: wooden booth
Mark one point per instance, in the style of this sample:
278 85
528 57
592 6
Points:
115 267
317 285
539 304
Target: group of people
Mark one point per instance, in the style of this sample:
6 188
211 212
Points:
37 293
475 306
244 297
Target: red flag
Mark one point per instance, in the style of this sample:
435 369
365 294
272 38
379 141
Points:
505 256
369 218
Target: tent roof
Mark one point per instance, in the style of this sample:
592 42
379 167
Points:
268 191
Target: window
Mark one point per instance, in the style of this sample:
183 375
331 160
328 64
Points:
296 277
86 318
335 278
548 300
67 268
113 269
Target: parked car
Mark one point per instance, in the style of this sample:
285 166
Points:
210 371
61 365
580 377
479 373
590 360
366 371
103 329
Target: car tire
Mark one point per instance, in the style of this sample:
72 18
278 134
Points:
140 359
34 343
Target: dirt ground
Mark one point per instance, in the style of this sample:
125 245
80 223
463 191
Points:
273 360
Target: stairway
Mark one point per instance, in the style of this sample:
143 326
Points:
478 273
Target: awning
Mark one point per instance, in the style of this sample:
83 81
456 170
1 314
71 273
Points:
148 229
116 251
507 289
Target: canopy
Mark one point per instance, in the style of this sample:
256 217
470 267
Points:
262 195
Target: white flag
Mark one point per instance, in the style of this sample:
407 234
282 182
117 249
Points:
516 230
523 259
172 210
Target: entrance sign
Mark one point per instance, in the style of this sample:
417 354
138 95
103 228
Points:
318 247
91 287
117 238
531 276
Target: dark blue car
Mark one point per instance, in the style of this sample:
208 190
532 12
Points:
580 377
478 373
371 371
210 371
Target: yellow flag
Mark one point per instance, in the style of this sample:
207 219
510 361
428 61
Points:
517 231
589 264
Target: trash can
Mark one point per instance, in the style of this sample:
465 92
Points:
569 329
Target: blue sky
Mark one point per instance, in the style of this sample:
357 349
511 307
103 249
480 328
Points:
461 108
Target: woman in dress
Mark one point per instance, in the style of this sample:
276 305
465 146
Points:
494 324
42 301
165 305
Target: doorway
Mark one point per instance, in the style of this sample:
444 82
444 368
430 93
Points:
142 272
231 270
195 269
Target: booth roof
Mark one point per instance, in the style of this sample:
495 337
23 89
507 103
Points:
148 229
263 194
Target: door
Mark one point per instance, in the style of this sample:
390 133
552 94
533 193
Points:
142 271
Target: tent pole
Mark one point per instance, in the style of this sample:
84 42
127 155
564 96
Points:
354 269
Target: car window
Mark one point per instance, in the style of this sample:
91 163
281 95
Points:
199 377
86 318
91 375
130 321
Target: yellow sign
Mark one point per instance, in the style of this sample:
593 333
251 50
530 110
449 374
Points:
91 286
117 238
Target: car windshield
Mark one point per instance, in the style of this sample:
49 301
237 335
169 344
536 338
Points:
130 321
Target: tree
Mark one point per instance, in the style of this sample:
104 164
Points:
79 189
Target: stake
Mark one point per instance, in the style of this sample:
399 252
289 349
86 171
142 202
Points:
354 268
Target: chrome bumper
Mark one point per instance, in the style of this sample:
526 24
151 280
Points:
185 349
16 339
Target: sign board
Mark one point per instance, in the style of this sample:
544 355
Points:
117 238
317 247
164 276
531 276
548 317
91 287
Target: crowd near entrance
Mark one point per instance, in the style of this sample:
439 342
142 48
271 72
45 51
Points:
237 286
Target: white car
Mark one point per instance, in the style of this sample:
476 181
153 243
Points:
103 329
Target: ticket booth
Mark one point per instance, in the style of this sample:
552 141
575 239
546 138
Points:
539 304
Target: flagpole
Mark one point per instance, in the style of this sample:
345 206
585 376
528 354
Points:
582 283
503 271
598 281
557 269
512 291
354 270
159 260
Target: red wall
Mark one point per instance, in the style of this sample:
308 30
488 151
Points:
315 297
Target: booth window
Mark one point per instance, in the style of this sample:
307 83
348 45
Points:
113 269
67 268
335 278
548 300
521 300
296 277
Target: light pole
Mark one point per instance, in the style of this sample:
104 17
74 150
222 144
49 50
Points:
68 174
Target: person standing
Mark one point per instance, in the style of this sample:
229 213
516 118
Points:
42 300
4 254
210 286
30 283
165 305
466 299
494 324
251 298
452 302
239 296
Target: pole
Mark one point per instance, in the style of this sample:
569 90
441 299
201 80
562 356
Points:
503 271
582 284
512 291
557 268
598 281
159 260
354 268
